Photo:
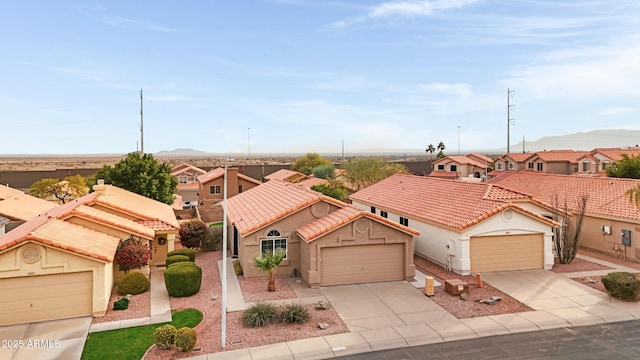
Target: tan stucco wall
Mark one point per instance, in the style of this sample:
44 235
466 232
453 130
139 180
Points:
249 246
53 261
375 233
593 238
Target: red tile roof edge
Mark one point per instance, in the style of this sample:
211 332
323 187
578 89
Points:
97 200
105 221
249 178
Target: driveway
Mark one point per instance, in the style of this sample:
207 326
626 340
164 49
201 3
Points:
56 339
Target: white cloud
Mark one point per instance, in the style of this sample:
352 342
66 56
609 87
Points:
405 8
124 23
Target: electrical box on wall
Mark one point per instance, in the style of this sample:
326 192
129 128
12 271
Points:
626 237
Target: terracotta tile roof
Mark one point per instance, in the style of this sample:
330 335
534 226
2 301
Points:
606 195
21 206
249 179
444 174
560 155
63 235
517 157
341 217
103 217
310 181
615 154
463 160
213 174
448 203
157 225
481 158
133 204
191 186
7 192
185 169
258 207
282 174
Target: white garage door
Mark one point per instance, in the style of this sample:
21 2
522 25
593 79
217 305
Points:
507 252
45 297
362 263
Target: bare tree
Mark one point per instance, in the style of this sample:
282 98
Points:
566 236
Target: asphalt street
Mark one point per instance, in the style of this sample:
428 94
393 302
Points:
605 341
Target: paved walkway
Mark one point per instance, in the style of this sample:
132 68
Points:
160 306
396 314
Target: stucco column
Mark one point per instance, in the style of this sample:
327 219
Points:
548 251
463 256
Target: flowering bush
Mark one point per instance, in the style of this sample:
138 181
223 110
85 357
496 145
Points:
132 254
192 233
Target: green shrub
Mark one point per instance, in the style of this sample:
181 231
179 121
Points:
133 283
212 241
180 262
164 336
186 339
622 285
237 267
183 279
176 258
293 313
121 304
260 314
191 253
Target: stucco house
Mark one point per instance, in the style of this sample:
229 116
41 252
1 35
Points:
609 211
327 242
211 184
510 162
295 177
60 264
464 226
19 207
472 166
188 185
597 161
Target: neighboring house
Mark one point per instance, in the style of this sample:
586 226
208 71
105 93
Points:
597 161
188 185
19 207
553 162
295 177
327 242
466 227
60 264
610 215
510 162
461 167
211 184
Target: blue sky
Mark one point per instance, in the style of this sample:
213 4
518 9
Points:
304 75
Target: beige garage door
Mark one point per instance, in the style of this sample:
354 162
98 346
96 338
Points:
508 252
362 263
45 297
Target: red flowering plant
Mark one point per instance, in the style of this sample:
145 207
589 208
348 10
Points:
132 254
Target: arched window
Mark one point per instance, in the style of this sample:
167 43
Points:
273 241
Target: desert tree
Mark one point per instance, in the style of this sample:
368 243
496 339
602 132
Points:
362 172
627 167
307 163
634 195
325 171
332 188
72 187
142 175
567 235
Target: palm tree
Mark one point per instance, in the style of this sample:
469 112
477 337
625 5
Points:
440 149
431 149
634 195
268 262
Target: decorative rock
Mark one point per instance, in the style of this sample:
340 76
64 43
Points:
323 326
495 298
488 301
214 298
464 296
128 297
322 305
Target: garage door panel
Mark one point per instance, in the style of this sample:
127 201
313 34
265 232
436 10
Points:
45 297
507 252
362 263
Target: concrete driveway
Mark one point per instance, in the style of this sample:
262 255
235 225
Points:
56 339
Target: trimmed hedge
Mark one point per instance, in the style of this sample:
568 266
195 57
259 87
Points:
191 253
164 336
133 283
622 285
176 259
185 339
183 279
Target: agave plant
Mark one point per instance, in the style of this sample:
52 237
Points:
268 262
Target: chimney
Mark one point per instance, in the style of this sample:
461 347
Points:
100 187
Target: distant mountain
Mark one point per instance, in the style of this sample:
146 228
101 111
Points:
583 141
180 153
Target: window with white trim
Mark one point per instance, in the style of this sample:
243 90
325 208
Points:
404 221
373 209
215 189
453 168
530 165
511 166
586 166
273 241
441 167
383 214
499 166
539 166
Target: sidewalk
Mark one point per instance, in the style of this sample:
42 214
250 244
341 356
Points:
160 306
395 314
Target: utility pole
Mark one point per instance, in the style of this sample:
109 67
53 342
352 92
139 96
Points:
510 120
249 140
523 145
141 127
343 151
458 140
